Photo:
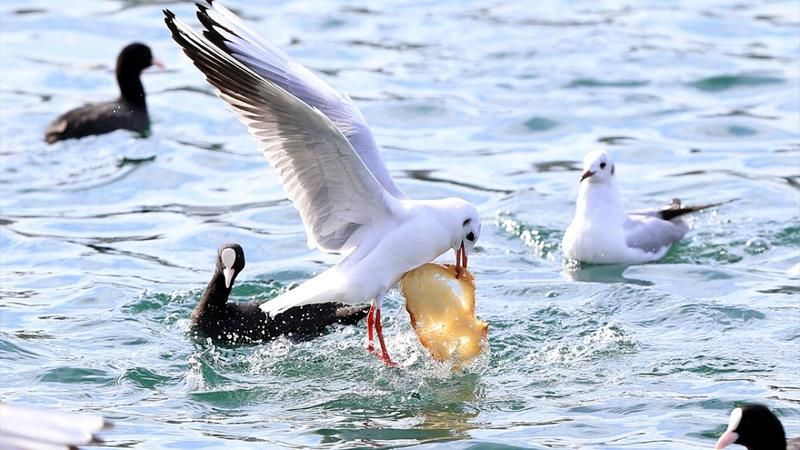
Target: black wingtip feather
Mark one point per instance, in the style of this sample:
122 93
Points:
676 210
210 31
227 76
169 19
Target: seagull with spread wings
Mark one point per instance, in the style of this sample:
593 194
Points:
330 167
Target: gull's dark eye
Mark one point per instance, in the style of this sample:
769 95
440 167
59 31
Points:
471 236
602 165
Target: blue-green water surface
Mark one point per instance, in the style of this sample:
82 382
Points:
106 243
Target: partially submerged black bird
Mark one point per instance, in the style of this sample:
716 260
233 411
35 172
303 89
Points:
216 318
756 427
128 112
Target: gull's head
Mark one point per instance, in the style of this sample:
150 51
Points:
753 426
465 222
230 261
470 228
598 167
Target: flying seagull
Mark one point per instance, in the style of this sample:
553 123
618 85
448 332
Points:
330 167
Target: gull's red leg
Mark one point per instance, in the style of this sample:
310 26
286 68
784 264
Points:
379 329
370 325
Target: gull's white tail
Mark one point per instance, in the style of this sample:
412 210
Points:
328 287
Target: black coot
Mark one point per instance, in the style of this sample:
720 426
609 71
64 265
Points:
128 112
755 427
216 318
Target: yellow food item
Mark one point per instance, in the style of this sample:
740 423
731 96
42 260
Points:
442 310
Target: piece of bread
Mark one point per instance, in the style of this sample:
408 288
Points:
442 310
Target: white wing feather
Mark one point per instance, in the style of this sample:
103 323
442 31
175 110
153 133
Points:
231 35
651 234
335 193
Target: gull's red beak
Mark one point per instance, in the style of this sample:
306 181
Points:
461 261
157 62
586 175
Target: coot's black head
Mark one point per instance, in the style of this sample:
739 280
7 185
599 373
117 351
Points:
755 427
134 58
130 63
230 261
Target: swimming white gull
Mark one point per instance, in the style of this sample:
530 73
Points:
603 233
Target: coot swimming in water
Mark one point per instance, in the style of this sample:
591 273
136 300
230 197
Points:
756 427
128 112
222 321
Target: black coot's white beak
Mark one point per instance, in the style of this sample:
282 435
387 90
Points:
586 175
157 62
228 273
727 438
730 436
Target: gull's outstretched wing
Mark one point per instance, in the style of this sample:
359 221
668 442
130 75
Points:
335 193
232 36
652 234
27 428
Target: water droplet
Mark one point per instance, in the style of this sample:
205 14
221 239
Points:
756 245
